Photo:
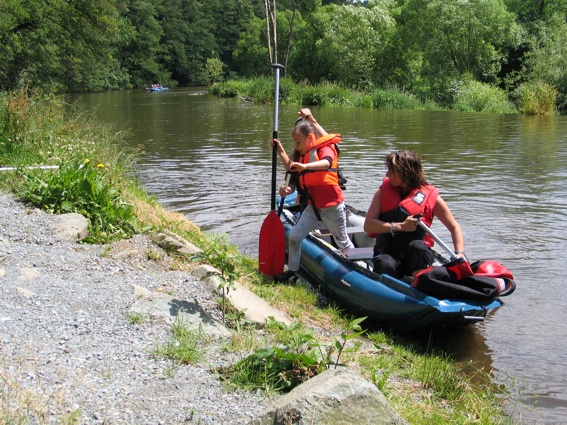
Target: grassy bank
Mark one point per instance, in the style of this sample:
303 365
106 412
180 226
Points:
467 96
96 177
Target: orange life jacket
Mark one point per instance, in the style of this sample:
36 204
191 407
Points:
330 176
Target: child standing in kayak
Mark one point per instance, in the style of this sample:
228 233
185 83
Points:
318 176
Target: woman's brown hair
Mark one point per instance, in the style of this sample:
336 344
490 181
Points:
407 165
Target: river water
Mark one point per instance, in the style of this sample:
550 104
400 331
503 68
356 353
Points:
502 175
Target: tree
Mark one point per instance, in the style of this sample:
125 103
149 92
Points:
140 43
342 44
547 61
250 55
58 44
445 39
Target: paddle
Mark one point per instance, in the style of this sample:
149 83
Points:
435 237
271 247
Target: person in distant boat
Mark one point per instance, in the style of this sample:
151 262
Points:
317 168
403 248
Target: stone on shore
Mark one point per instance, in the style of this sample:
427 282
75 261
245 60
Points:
173 310
255 309
334 397
71 227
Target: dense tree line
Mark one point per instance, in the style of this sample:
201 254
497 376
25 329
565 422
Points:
429 48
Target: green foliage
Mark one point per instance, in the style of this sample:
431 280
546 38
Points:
536 98
84 189
231 88
341 44
214 70
297 357
219 253
473 96
438 41
25 116
418 46
394 99
353 331
251 52
58 45
547 60
184 346
35 131
261 90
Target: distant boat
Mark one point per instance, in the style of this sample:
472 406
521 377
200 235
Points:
156 88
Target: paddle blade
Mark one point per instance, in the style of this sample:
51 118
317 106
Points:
271 249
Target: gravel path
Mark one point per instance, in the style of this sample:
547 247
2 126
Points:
66 343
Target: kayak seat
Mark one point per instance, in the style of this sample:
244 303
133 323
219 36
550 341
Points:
356 233
350 230
364 253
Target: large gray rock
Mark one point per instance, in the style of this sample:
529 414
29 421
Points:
335 397
171 309
72 227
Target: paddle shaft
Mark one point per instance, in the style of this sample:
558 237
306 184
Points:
436 238
277 67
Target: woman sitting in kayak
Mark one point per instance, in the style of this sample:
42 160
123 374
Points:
402 248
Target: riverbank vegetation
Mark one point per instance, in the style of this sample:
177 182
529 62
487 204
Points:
487 55
422 382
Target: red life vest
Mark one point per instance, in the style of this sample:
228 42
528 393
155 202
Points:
327 177
419 201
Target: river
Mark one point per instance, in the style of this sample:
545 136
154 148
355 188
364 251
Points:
503 177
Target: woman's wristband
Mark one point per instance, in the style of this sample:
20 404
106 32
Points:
393 228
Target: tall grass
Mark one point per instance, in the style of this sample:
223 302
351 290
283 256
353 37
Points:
474 96
537 98
92 173
261 90
394 99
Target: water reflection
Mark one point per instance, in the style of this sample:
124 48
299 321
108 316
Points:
502 175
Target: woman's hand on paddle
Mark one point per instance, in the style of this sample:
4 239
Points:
409 224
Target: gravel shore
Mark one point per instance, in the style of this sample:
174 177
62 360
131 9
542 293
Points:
66 344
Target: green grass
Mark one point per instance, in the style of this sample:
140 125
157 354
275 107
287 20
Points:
467 95
92 172
537 99
261 90
184 346
474 96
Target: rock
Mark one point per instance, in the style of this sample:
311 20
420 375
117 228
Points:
71 227
255 308
335 397
208 275
26 292
174 243
171 309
